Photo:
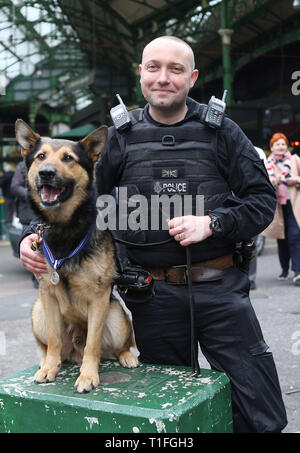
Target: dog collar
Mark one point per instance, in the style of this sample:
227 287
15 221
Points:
57 263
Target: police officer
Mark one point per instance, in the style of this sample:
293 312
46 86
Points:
168 143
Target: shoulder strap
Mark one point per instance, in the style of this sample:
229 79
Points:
135 115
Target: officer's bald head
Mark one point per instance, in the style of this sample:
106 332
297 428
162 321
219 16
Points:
162 41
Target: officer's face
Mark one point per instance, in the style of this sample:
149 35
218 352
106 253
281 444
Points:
279 147
167 74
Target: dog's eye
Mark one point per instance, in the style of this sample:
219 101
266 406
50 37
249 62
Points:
41 156
67 158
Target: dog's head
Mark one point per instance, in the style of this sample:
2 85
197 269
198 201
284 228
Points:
60 172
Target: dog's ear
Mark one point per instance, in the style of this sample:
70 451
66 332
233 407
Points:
95 142
26 137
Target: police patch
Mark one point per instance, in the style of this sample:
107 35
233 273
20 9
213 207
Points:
170 186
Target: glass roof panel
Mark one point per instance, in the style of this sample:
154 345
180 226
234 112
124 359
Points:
28 32
37 45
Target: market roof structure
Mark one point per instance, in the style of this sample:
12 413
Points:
61 55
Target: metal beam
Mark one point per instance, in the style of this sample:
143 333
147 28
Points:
225 33
241 61
40 40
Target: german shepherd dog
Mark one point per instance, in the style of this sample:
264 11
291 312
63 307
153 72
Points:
76 317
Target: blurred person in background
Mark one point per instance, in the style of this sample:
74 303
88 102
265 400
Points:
9 198
19 190
284 173
253 262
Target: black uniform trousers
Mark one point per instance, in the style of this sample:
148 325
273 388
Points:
230 338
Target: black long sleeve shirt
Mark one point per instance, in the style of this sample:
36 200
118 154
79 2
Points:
250 207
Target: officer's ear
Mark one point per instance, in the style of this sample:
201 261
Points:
140 69
194 77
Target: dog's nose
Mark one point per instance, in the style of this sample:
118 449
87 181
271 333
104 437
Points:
47 173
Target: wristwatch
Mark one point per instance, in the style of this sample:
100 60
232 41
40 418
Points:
215 225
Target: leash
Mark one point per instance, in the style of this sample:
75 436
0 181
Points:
196 371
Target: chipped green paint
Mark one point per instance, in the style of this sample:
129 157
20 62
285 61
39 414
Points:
148 399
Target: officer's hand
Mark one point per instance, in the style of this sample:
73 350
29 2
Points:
190 229
31 260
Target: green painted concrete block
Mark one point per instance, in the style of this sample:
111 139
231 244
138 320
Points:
148 399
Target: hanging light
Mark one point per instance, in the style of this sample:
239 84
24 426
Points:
2 84
296 4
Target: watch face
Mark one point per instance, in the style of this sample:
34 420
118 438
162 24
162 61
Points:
215 225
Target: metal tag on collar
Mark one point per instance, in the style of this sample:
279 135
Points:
54 279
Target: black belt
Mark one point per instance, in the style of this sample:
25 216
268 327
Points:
206 271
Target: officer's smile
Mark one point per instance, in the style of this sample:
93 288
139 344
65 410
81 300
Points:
161 90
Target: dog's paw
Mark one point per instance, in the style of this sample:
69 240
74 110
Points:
128 360
85 384
45 375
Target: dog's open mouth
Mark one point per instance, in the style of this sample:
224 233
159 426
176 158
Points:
50 194
52 197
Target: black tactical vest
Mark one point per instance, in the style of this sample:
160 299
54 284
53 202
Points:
169 171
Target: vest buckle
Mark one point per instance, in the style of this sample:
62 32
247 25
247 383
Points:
168 140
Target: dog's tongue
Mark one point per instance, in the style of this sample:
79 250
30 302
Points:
50 193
